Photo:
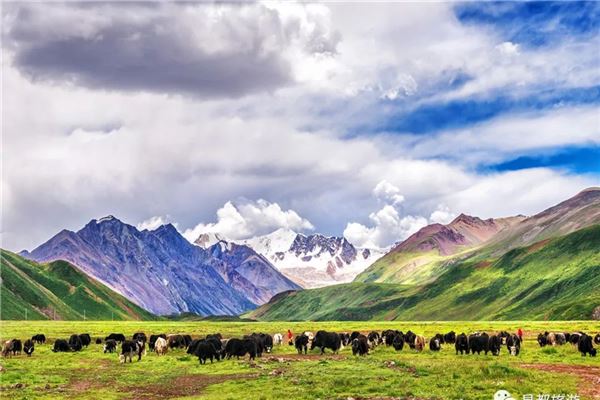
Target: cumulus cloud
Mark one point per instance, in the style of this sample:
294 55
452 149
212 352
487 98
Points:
387 224
250 218
206 50
388 227
387 192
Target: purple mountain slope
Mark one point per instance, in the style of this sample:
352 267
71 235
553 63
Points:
164 273
241 264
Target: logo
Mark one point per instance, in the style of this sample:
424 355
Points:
503 395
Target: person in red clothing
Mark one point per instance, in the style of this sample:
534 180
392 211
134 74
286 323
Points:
520 335
290 337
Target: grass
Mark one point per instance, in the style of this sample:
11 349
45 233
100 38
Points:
90 374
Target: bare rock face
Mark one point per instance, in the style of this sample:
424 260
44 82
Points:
164 273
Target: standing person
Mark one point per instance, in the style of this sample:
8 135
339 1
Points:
290 337
520 335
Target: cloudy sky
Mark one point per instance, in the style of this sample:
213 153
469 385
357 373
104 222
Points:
364 120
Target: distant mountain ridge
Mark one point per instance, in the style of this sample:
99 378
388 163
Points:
463 231
423 256
546 266
162 272
309 260
577 212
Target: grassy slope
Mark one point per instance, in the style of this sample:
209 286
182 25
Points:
43 289
92 374
556 279
399 268
352 301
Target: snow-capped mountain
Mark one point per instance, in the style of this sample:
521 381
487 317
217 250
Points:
309 260
275 242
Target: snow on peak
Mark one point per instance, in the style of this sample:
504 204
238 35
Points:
277 241
225 246
106 219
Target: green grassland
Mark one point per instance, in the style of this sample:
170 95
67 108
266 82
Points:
58 290
549 280
384 373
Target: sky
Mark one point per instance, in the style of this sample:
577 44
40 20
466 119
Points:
368 121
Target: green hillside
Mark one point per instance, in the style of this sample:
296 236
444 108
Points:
400 268
554 279
58 290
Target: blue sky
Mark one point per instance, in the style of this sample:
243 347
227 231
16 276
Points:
579 160
534 24
529 25
464 112
369 121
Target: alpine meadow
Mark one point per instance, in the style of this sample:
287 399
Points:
300 200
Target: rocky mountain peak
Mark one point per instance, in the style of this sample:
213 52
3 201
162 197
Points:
207 239
108 218
470 220
167 231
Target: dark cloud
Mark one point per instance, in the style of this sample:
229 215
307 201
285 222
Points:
225 51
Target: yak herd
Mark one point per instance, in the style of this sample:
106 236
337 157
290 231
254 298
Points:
584 342
214 346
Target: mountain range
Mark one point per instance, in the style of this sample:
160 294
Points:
309 260
162 272
546 266
542 266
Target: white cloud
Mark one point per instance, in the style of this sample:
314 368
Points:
154 222
510 193
513 135
134 155
248 219
387 225
442 215
508 48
